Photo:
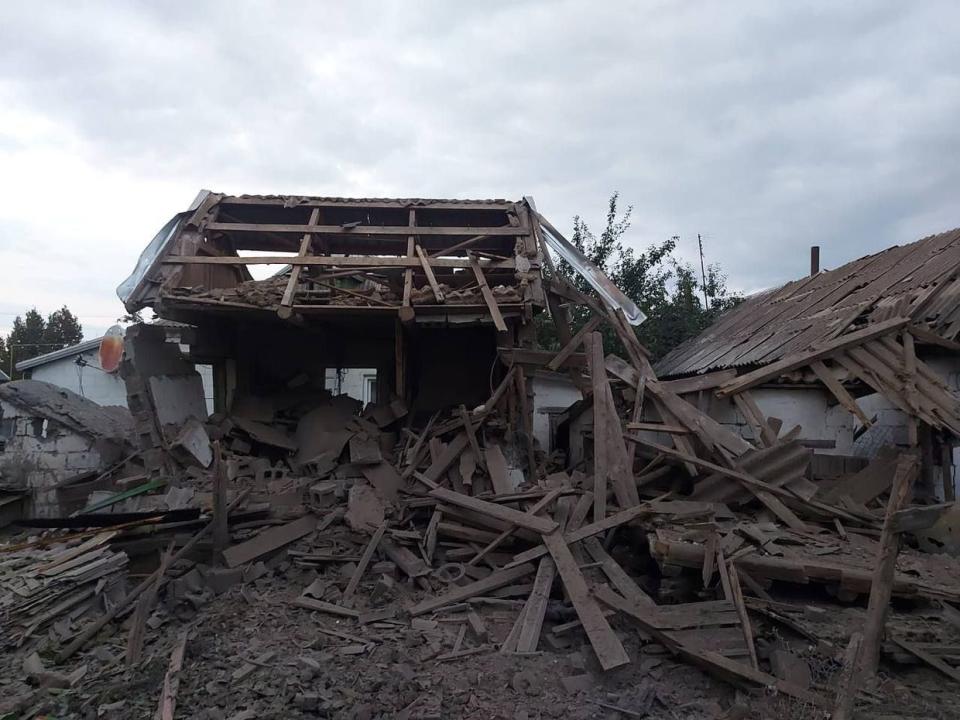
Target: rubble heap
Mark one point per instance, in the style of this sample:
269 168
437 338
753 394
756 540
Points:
300 554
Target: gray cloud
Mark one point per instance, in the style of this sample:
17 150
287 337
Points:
766 127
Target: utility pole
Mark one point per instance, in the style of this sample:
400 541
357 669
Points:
703 274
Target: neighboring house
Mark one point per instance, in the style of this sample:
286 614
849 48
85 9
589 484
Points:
77 368
50 435
859 357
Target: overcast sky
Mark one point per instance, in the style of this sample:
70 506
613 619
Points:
767 127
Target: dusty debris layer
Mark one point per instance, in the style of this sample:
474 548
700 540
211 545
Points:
426 557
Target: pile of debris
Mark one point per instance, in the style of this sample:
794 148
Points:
395 563
40 587
438 526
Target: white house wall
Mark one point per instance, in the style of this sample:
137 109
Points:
89 381
550 395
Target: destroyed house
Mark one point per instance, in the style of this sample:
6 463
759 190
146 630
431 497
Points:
429 537
52 439
847 360
416 289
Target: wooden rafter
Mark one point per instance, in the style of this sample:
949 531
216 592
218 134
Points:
407 315
358 261
839 392
395 230
487 293
428 271
286 302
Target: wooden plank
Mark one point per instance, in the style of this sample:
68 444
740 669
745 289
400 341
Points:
347 599
818 352
450 453
931 660
361 230
286 302
714 663
509 644
221 529
94 627
167 706
488 296
618 577
463 245
526 417
509 530
499 512
428 271
309 603
922 335
536 608
373 262
601 471
144 606
408 273
576 341
737 593
910 370
459 593
595 528
676 410
881 587
846 685
579 513
385 204
839 392
620 464
268 541
657 427
497 468
606 645
471 435
697 383
751 411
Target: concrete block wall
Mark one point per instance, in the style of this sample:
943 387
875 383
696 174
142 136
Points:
39 454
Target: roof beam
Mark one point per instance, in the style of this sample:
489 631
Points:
398 230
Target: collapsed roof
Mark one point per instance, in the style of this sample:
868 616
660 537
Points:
363 257
919 282
66 407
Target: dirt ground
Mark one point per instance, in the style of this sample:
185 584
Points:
251 654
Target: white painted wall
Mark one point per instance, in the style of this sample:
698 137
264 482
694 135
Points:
810 408
358 383
44 453
89 381
550 394
86 379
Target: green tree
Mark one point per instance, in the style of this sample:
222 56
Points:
62 330
668 291
32 335
26 338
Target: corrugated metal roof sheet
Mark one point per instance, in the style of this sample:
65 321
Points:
919 280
